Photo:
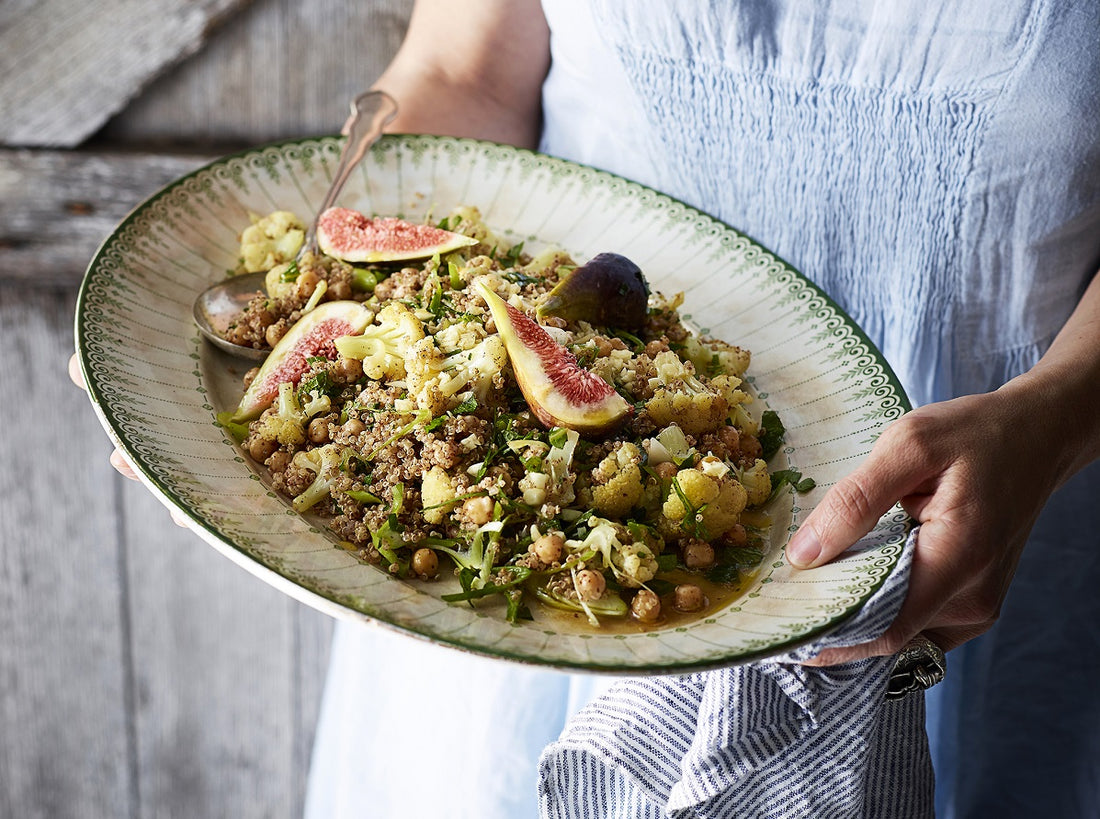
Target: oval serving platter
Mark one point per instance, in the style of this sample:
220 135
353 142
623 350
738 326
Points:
156 386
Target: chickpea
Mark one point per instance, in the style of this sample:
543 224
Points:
689 597
646 606
698 554
425 563
260 449
275 332
555 321
730 437
348 370
590 584
603 346
655 347
278 461
750 448
548 548
250 376
618 344
318 430
353 426
736 536
666 471
478 511
306 284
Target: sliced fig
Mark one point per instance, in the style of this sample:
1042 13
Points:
558 390
353 237
609 291
312 335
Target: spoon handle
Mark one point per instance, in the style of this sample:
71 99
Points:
370 113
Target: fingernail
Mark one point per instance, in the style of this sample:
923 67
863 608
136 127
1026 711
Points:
804 548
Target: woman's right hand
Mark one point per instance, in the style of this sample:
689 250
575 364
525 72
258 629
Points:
490 87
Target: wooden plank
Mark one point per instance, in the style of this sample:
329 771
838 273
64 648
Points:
56 207
141 673
227 691
64 673
280 69
66 67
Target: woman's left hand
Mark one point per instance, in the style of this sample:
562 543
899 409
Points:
118 460
974 472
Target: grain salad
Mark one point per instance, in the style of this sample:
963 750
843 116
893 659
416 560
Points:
495 416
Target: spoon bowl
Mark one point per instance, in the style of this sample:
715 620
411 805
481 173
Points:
216 306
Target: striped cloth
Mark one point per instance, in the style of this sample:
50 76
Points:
771 739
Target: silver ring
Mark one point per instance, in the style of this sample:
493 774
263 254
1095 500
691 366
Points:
919 666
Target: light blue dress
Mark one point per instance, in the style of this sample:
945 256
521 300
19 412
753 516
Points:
935 167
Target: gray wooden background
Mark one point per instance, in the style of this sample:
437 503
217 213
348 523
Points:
141 673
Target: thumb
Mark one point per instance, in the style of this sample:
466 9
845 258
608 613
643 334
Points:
849 510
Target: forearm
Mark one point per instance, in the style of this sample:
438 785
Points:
1064 387
472 69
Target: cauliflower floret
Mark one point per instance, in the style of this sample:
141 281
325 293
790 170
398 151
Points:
703 506
467 220
695 412
715 356
548 263
729 387
636 564
615 368
437 382
437 494
617 481
460 335
280 281
631 561
535 488
757 482
271 240
326 463
283 422
681 397
383 347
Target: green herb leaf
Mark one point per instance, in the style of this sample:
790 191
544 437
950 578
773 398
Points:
724 575
453 271
291 274
667 562
782 477
771 434
362 496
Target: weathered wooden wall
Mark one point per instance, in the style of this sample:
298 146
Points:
141 673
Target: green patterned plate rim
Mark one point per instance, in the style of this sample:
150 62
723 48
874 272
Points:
156 386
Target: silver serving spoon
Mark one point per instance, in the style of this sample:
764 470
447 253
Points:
216 306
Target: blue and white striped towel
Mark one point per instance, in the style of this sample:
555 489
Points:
770 739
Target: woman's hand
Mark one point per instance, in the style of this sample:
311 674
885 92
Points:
975 473
118 460
486 85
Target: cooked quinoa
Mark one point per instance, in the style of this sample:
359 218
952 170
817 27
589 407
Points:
416 446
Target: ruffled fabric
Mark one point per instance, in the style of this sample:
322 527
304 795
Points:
774 738
935 167
899 157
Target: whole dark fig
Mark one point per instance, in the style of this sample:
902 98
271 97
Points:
609 291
